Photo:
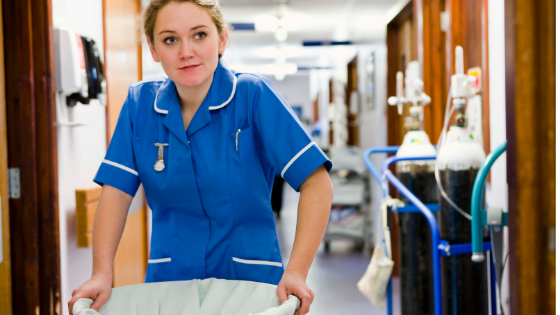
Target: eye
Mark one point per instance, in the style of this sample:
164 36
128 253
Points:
169 40
200 35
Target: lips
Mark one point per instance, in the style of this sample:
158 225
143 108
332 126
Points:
189 67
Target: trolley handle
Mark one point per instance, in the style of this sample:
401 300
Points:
372 169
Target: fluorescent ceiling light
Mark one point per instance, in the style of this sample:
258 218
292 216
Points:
279 76
290 22
281 34
296 21
274 68
267 23
284 52
342 54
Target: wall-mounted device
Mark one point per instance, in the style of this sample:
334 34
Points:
71 76
79 73
79 70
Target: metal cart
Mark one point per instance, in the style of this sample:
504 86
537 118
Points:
350 216
440 248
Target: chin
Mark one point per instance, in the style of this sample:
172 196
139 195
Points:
191 80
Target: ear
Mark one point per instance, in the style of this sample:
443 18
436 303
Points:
153 50
223 41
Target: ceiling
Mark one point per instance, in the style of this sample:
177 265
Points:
359 21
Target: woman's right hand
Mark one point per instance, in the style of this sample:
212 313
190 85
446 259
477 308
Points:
98 288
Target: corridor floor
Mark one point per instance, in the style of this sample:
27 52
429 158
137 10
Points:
333 276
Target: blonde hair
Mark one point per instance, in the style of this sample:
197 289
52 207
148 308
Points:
151 11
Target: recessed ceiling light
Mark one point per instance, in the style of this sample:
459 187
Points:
281 34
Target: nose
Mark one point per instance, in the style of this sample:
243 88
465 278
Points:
185 50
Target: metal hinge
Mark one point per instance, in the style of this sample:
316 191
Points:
13 178
444 21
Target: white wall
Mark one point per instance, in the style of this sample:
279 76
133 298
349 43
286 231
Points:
319 85
80 149
497 191
295 90
373 122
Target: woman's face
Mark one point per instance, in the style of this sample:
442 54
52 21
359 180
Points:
187 43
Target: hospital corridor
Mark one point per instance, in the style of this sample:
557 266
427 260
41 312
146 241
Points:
334 274
278 157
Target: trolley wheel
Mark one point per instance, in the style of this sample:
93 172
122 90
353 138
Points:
327 246
359 245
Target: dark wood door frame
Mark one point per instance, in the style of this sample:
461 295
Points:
395 129
395 133
530 129
32 147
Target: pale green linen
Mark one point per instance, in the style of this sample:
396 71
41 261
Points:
194 297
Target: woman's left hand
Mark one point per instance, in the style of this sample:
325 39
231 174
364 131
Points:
293 283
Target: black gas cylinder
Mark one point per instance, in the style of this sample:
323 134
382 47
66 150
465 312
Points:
464 283
415 250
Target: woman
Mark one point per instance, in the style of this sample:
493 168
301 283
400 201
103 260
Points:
206 144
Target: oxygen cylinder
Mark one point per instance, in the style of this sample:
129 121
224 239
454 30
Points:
464 283
415 240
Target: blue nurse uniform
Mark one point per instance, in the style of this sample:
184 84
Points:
211 211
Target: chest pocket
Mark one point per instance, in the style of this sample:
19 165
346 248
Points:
242 148
244 162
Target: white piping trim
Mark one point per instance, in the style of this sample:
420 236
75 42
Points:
257 262
121 167
295 158
157 261
230 97
161 111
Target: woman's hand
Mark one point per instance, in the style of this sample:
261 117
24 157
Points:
98 288
293 283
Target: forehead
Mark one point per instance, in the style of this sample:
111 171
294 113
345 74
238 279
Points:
182 16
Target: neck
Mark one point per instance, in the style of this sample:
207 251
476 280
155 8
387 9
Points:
190 97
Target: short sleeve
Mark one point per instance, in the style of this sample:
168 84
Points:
118 169
286 144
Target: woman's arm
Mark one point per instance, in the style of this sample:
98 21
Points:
108 227
315 201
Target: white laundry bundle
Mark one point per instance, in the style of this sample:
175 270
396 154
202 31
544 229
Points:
373 283
194 297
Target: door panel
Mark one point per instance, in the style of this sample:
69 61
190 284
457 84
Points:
5 276
123 68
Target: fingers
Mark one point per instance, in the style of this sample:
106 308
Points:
306 296
281 293
71 304
75 296
100 301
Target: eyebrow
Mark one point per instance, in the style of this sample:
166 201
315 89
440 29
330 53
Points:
192 29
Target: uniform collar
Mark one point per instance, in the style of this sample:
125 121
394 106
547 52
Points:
220 94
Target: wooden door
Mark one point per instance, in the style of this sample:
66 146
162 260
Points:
401 49
432 56
5 270
32 149
351 103
531 167
123 65
468 27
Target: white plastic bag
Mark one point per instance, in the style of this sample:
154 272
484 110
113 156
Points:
373 283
